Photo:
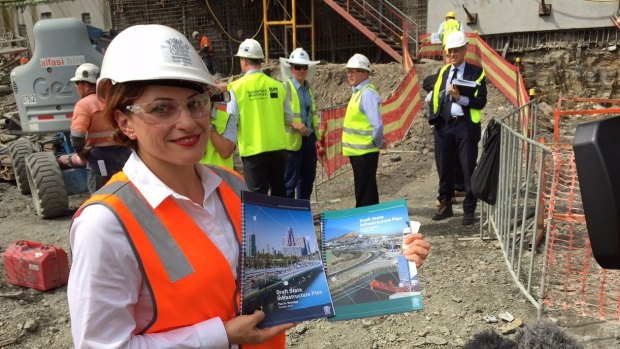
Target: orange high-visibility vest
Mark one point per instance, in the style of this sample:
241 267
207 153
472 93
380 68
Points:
169 245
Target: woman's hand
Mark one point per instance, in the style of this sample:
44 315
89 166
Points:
415 248
242 329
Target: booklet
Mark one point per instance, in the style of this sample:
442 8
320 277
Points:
366 271
466 87
282 268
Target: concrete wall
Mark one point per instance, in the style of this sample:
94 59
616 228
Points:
507 16
30 14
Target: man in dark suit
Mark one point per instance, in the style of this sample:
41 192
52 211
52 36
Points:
456 119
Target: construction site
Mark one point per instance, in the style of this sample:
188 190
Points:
550 66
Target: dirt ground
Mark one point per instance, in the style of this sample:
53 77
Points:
464 280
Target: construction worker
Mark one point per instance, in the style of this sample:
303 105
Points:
222 138
23 59
362 131
302 155
155 252
449 26
91 136
456 121
205 50
260 108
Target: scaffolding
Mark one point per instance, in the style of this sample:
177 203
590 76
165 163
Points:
289 23
271 22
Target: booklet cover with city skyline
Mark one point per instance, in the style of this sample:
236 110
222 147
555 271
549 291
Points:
282 268
366 271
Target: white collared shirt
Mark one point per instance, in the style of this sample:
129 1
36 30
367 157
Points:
457 107
108 299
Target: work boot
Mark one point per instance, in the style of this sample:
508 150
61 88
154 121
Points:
444 211
468 219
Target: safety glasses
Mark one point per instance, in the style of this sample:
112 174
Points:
168 111
300 67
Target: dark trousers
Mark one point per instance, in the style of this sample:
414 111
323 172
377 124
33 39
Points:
209 63
365 178
265 171
301 169
108 160
457 139
456 166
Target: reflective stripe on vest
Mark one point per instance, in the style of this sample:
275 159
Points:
475 114
212 157
260 100
294 139
167 243
356 129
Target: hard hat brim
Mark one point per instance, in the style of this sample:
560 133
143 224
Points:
301 61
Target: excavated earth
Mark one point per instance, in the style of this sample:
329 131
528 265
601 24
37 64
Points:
464 280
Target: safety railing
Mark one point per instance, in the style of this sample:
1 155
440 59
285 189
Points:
386 18
517 218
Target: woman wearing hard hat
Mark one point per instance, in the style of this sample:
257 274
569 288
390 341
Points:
156 250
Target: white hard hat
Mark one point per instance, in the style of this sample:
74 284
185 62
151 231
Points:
195 34
153 52
300 56
87 72
456 39
359 61
250 48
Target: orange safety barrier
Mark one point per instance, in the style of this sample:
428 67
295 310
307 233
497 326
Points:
398 112
559 110
574 280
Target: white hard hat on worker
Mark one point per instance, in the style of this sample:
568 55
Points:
455 40
152 52
250 48
300 56
359 61
87 72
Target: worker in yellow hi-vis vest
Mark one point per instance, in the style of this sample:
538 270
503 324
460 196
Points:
222 139
450 25
260 110
362 131
302 154
457 112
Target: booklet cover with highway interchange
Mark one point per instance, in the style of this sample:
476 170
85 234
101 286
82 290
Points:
366 271
282 268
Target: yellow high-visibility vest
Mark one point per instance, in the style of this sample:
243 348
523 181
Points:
294 139
356 129
475 114
260 100
212 157
450 26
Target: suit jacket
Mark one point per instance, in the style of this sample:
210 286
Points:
471 72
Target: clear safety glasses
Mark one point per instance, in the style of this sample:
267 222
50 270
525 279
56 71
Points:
168 111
